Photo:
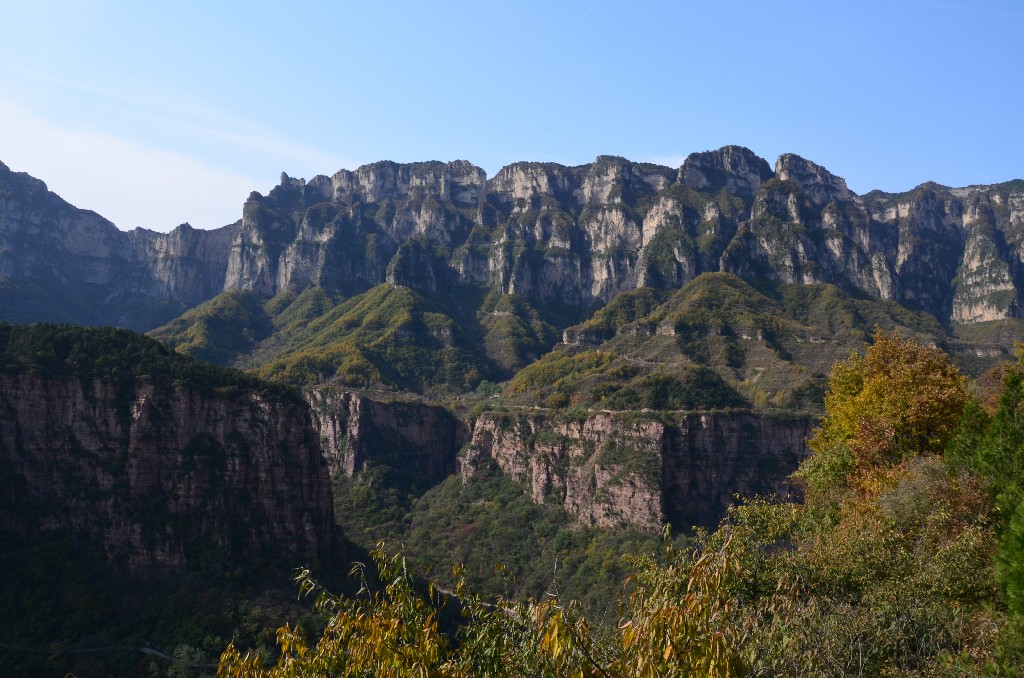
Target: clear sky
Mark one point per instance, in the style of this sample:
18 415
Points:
153 114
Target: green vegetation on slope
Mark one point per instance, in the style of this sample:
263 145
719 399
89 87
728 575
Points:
487 521
120 355
905 560
220 330
389 335
65 611
515 333
715 343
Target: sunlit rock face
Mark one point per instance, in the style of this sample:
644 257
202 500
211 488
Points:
613 469
571 236
576 236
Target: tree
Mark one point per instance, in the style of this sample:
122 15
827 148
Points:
897 401
677 621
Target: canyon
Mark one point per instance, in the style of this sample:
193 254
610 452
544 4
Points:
605 469
565 241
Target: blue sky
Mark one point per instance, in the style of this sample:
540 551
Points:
153 114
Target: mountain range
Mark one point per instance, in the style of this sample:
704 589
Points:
567 236
623 344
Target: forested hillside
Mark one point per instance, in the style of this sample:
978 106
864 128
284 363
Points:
520 384
907 558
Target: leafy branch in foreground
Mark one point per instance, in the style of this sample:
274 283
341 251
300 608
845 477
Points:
906 560
675 622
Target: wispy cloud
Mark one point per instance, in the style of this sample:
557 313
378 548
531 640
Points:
129 183
177 114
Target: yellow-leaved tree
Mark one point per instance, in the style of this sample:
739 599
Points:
677 621
897 401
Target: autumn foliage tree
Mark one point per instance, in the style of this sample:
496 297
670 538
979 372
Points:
677 620
906 560
897 401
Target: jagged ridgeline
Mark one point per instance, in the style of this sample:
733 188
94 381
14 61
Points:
723 283
430 276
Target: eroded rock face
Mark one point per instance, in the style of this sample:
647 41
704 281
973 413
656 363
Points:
570 236
736 169
356 430
600 475
713 457
616 469
61 263
574 236
161 477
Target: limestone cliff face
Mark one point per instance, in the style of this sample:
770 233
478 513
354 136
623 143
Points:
602 472
186 264
577 235
356 430
606 470
58 262
162 477
613 469
569 236
715 456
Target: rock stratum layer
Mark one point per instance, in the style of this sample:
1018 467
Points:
163 477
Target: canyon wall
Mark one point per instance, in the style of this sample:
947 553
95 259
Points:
354 430
161 477
607 469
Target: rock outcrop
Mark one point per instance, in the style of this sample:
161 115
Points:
602 471
628 469
356 430
60 263
162 477
573 236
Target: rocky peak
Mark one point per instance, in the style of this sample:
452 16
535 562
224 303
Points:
291 182
611 179
820 185
525 184
458 181
737 169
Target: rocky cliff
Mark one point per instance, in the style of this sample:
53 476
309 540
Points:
61 263
606 469
568 236
163 474
355 430
613 469
575 235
